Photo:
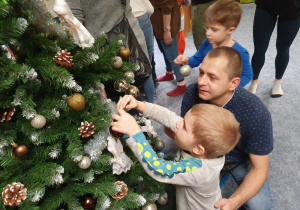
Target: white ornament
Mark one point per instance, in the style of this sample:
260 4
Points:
85 162
185 70
121 162
39 121
81 36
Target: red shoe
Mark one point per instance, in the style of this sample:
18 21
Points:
178 91
167 77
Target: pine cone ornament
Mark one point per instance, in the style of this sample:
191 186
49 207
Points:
64 59
123 192
7 113
13 194
87 129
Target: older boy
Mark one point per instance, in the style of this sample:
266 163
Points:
204 136
248 162
221 20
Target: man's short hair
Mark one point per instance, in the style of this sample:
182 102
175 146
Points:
225 12
233 57
215 128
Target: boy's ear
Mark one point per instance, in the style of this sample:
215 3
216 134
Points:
231 30
235 83
198 150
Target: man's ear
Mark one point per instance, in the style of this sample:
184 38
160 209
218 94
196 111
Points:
235 83
198 150
231 30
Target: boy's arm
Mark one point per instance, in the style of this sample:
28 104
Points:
247 72
179 173
196 59
162 115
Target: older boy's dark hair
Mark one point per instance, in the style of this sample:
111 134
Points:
215 128
234 60
225 12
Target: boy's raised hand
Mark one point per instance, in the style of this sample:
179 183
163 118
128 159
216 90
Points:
125 123
127 102
181 60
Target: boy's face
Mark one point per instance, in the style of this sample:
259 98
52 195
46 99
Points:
184 136
217 33
213 81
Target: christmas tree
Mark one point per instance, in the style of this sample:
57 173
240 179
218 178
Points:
55 118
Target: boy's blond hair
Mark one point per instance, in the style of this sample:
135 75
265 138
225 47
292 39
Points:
234 61
215 128
225 12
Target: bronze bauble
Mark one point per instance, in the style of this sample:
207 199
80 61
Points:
20 150
121 85
132 90
76 101
159 144
162 200
124 52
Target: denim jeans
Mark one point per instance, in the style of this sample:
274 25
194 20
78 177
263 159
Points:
146 27
170 53
262 200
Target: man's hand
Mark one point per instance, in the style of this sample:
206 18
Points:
224 204
181 60
125 123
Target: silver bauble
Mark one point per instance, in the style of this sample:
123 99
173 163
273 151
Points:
39 121
117 62
159 144
121 85
185 70
150 206
85 162
162 200
129 74
132 90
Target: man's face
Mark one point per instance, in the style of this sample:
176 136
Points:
213 82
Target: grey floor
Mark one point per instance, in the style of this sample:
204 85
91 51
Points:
285 111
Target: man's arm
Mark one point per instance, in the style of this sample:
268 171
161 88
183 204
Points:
251 185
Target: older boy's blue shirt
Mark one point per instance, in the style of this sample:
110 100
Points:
253 116
161 166
247 72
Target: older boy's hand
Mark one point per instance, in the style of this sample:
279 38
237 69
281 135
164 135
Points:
127 102
125 123
181 59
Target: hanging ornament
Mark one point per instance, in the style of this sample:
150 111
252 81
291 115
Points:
89 202
159 144
163 199
132 90
39 121
115 134
117 62
7 113
185 70
124 52
123 191
129 74
87 129
19 150
121 85
85 162
64 59
13 194
76 101
150 206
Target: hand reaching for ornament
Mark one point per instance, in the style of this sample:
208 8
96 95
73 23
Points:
125 123
129 102
181 60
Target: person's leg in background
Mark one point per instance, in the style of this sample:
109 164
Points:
198 27
263 26
170 53
263 199
287 30
146 27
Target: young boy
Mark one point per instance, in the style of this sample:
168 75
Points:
221 20
204 136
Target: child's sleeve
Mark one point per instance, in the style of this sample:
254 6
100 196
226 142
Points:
247 72
179 173
161 115
196 59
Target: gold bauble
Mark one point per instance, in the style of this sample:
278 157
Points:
162 200
150 206
185 70
19 150
124 52
76 101
121 85
117 62
39 121
159 144
132 90
129 74
85 162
